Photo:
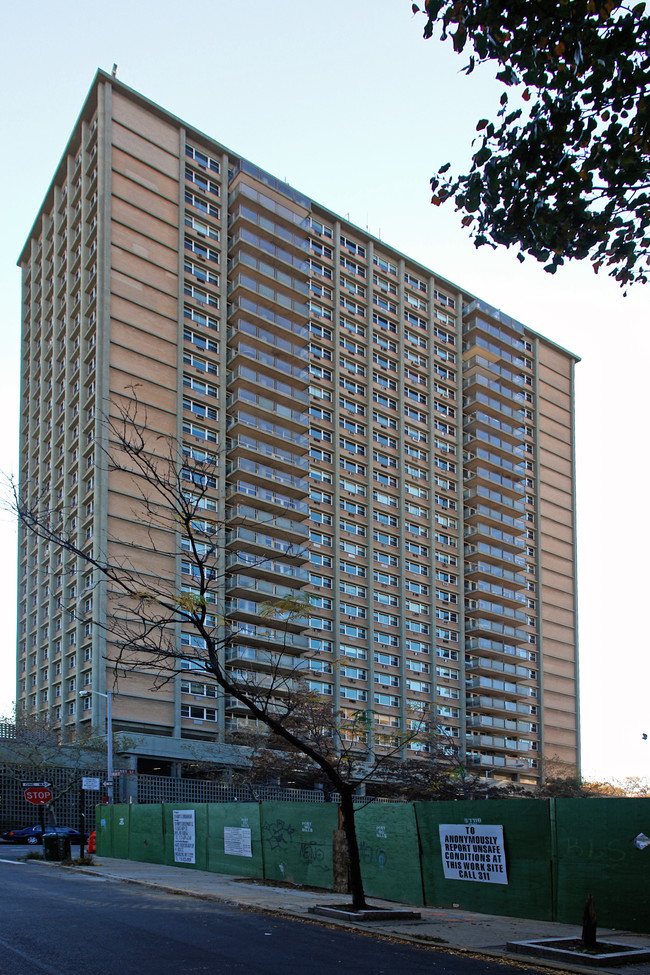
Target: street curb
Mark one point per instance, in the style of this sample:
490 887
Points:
419 941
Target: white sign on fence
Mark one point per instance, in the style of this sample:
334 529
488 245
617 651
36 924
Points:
184 836
473 853
90 783
237 842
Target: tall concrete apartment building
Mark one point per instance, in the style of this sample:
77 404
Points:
416 442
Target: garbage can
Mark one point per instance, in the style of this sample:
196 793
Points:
56 847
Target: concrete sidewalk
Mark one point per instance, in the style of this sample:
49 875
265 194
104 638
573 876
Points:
483 934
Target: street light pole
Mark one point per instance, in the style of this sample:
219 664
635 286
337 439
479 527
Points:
109 738
109 743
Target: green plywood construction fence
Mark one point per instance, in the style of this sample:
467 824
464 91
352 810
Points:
388 845
297 841
147 833
596 854
527 843
238 816
104 831
113 831
556 851
174 858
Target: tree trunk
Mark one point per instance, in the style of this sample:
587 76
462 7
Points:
589 924
356 883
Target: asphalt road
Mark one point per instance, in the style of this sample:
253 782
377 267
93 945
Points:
59 922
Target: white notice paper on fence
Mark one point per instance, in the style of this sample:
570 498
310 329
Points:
184 836
237 841
473 853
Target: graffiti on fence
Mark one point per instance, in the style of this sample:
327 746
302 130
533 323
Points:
278 834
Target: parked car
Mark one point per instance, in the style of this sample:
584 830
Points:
33 834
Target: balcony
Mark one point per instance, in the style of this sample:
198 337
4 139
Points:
258 656
278 525
296 395
253 399
509 329
504 724
480 529
241 188
499 554
246 538
244 284
244 329
266 498
495 610
244 352
507 688
493 741
249 468
262 267
249 609
262 633
512 486
239 584
498 705
497 648
494 628
493 405
487 569
250 421
501 761
504 594
280 456
479 381
246 238
507 446
292 575
245 305
476 344
488 665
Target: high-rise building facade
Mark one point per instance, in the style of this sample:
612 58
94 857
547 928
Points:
406 450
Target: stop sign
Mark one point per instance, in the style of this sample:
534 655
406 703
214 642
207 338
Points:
38 796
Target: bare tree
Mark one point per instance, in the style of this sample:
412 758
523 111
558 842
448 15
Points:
39 746
146 611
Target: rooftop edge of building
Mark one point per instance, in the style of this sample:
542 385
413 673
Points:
87 110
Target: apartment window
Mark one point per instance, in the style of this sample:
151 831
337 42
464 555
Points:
351 548
351 589
351 467
322 394
349 629
386 518
352 507
319 538
349 568
352 487
320 496
384 538
320 517
384 579
320 646
352 247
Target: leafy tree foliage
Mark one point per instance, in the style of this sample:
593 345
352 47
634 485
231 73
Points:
563 170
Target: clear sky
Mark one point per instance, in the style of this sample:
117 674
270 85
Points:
349 104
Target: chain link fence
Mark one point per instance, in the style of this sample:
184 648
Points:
15 811
69 800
